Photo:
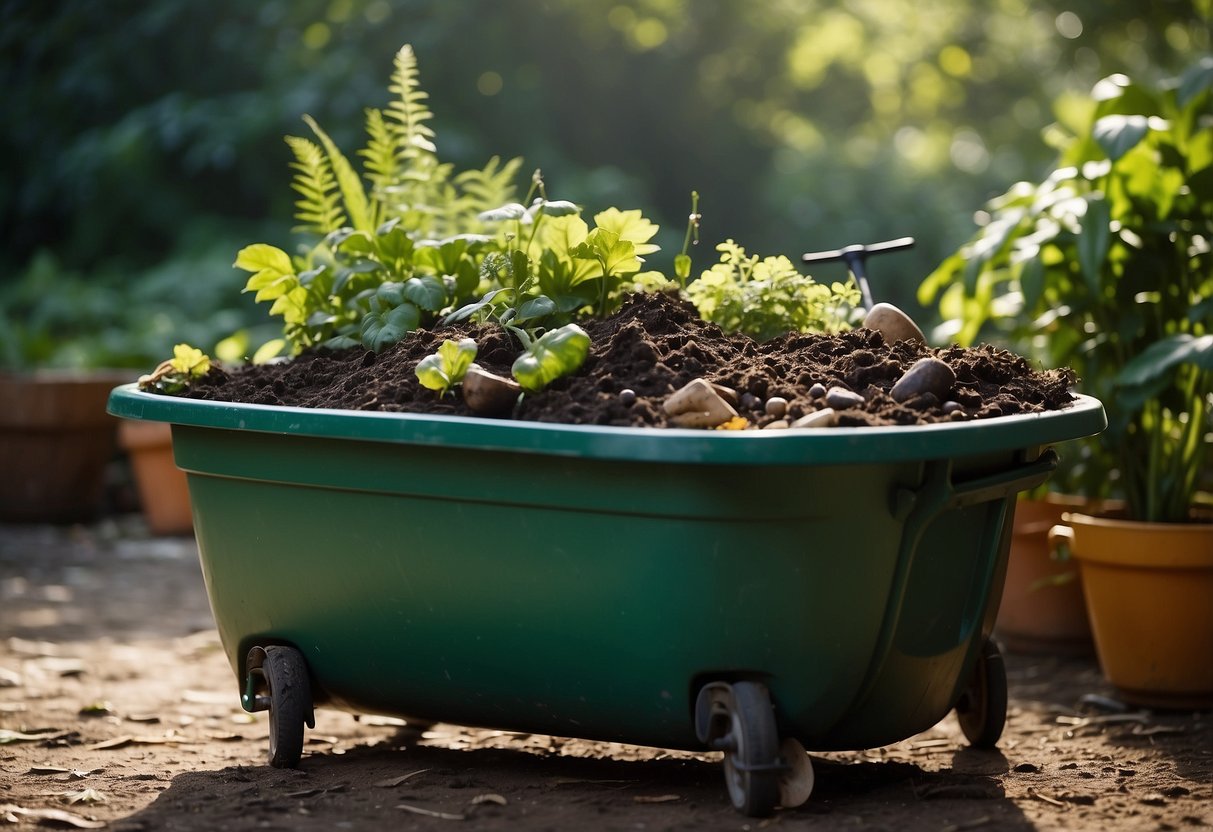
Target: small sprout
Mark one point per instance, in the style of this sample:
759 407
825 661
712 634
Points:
446 367
187 365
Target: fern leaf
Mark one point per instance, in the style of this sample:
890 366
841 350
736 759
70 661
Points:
408 110
382 156
352 192
490 186
318 208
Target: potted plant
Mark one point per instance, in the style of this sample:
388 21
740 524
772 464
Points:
1106 266
741 581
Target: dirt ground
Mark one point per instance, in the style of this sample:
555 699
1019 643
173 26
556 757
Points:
119 711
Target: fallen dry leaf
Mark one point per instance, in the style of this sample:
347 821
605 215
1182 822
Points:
392 782
85 796
429 813
36 735
14 814
489 798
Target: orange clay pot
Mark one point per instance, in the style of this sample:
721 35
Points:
162 488
1042 609
1149 591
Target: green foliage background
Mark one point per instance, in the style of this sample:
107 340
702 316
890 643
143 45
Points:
143 140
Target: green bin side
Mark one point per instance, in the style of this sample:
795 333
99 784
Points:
585 581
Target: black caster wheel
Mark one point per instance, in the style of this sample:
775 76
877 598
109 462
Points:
739 720
982 709
283 676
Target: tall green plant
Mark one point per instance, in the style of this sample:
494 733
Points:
1107 266
388 255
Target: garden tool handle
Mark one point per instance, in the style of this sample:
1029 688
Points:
854 257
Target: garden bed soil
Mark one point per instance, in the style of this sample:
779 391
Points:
654 345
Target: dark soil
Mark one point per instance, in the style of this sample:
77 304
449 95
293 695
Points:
653 346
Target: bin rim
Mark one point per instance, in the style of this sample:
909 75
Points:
812 446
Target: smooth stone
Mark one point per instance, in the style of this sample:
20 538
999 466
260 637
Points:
489 393
750 402
698 396
841 398
825 418
928 375
893 324
627 397
776 406
817 391
778 424
952 407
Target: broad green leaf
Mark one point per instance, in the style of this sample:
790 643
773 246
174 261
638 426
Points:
382 329
1118 134
270 349
509 211
1162 355
390 293
430 373
630 226
537 307
427 292
1093 242
1032 282
260 257
616 256
1195 81
554 208
559 353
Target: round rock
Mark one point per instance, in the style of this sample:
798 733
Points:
893 324
841 398
776 406
928 375
817 391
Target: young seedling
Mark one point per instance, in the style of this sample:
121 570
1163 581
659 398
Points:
177 373
446 367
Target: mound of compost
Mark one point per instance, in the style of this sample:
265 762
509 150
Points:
652 346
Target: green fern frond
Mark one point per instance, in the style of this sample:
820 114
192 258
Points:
382 158
489 187
408 109
362 217
318 208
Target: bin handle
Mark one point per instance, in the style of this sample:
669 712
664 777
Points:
1004 483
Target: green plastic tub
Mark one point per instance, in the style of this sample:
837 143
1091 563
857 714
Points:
674 588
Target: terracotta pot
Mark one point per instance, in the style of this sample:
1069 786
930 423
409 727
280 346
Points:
1149 592
163 492
1042 609
55 442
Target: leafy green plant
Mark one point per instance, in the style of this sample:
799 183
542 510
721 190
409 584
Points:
1106 266
389 255
558 353
765 297
445 368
